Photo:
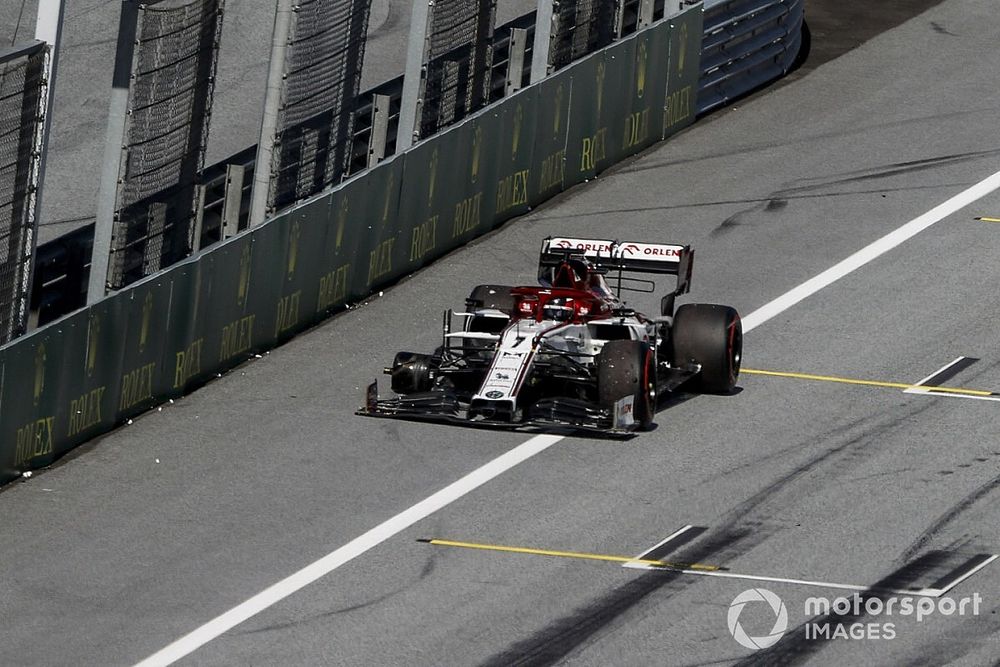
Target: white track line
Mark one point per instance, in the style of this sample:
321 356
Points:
918 389
871 252
269 596
653 548
951 585
918 592
258 603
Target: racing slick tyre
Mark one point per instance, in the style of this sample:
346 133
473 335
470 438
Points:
492 296
712 336
627 368
411 372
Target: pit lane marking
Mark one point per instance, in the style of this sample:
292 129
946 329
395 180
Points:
192 641
937 589
645 563
672 542
907 387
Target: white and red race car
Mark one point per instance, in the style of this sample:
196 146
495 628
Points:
569 353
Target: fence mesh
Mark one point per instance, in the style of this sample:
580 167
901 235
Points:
459 62
581 27
22 91
322 80
170 101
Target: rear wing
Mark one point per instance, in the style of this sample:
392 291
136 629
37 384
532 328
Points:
659 258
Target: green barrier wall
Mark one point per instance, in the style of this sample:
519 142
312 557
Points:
161 338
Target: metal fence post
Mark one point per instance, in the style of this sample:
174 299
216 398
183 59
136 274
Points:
272 108
232 199
48 28
380 129
515 61
113 151
646 10
619 27
199 217
671 7
543 38
413 77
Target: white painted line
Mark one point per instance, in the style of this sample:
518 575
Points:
653 548
916 388
951 585
922 592
948 394
217 626
258 603
871 252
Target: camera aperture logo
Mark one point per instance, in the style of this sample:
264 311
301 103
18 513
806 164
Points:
777 608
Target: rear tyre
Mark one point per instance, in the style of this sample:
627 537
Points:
627 368
492 296
712 336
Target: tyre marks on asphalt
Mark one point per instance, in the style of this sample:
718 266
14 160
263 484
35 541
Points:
795 647
932 531
563 635
743 528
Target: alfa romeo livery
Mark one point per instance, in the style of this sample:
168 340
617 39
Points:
569 353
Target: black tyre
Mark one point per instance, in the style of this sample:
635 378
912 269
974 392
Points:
411 372
712 336
628 368
492 296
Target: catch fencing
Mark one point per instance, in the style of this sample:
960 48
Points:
22 106
460 57
165 135
322 79
744 44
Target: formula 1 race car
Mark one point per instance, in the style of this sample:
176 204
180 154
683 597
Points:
569 353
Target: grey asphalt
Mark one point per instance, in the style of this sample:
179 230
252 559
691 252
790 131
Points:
84 81
112 555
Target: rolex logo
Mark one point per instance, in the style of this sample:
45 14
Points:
518 123
642 60
433 179
243 286
602 70
682 55
477 153
293 248
39 372
93 331
388 198
147 313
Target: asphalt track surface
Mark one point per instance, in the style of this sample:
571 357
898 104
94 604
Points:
167 523
84 80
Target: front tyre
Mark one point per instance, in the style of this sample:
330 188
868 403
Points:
412 372
712 336
628 368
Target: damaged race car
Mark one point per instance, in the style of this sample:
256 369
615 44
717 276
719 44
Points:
569 353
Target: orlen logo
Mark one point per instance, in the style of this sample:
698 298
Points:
586 247
653 251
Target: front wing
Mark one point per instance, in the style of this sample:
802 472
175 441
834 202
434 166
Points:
548 414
